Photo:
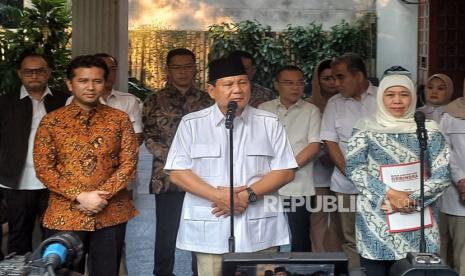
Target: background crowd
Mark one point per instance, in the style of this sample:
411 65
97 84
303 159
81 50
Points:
68 161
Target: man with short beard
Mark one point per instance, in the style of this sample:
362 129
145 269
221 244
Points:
20 115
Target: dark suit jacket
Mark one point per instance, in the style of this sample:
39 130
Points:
15 127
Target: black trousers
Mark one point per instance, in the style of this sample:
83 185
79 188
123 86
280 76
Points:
375 267
168 214
298 218
23 208
2 219
103 248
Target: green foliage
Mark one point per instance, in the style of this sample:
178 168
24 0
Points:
45 28
303 46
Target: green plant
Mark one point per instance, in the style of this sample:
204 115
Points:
303 46
45 28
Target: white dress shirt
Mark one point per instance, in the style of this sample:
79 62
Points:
125 102
338 120
201 144
302 124
28 180
454 131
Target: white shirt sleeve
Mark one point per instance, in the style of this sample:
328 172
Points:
314 129
457 171
284 157
328 123
135 115
179 157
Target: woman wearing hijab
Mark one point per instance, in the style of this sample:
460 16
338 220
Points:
452 202
325 226
438 93
379 143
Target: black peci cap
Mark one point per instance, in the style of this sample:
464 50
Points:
225 67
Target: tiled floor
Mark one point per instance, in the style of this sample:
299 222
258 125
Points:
140 232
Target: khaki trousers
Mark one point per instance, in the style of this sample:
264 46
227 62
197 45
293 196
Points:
325 229
348 231
210 264
455 227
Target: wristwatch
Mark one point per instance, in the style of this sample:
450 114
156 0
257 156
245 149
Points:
252 195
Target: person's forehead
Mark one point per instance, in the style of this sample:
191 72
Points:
232 78
291 74
181 59
246 61
33 61
94 72
326 72
437 80
339 68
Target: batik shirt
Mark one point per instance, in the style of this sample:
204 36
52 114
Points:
79 151
260 94
161 115
366 153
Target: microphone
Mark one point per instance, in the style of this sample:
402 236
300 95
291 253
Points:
230 114
422 134
63 249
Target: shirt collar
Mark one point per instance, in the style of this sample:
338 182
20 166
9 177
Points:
218 116
371 91
173 90
23 93
111 95
76 110
299 103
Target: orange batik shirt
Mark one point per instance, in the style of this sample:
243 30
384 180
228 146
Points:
81 151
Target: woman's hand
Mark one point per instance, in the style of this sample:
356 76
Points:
400 201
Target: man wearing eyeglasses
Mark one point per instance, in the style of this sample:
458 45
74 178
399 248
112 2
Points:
20 115
161 115
301 121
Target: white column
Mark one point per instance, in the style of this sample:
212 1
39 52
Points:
102 26
397 40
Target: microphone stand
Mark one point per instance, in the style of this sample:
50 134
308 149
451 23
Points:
422 139
421 263
232 106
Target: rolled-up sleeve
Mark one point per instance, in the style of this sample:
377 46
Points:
328 130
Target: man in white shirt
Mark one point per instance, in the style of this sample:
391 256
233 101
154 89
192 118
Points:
452 202
301 120
20 114
198 162
120 100
356 99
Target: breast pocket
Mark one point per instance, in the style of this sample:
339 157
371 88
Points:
344 129
206 159
262 225
258 158
203 226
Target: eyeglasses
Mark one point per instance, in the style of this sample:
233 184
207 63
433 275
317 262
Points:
189 66
329 78
30 72
292 83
